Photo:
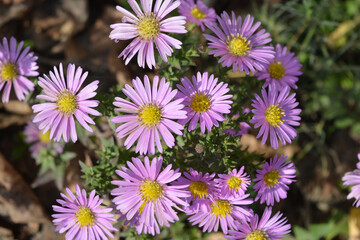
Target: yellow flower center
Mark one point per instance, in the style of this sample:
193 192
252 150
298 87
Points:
148 27
238 45
273 115
150 190
141 208
221 208
44 137
200 103
8 71
67 102
271 178
150 115
85 217
257 235
276 70
234 182
198 189
196 13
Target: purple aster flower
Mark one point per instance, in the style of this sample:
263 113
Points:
15 66
234 183
225 211
38 140
353 178
197 13
145 196
274 228
82 217
150 114
244 126
273 180
201 187
276 113
64 101
282 71
204 100
238 44
147 27
244 129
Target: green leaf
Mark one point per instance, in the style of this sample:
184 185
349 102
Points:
67 156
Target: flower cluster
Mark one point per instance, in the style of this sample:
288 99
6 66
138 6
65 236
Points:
154 112
147 197
146 194
153 109
275 113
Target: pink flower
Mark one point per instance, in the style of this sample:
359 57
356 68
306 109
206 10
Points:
150 115
148 27
15 66
64 100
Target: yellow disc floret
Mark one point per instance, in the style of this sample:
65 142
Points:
274 114
238 45
44 137
197 13
8 72
200 103
271 178
85 217
67 102
221 208
150 190
257 235
198 189
148 27
150 115
234 182
276 70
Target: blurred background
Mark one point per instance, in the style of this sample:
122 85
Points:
324 34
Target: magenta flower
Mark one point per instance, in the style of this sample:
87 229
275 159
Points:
82 217
201 187
150 115
64 101
353 179
275 114
197 13
38 140
145 196
274 228
273 180
238 44
147 27
204 100
15 66
225 211
234 183
244 129
282 71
